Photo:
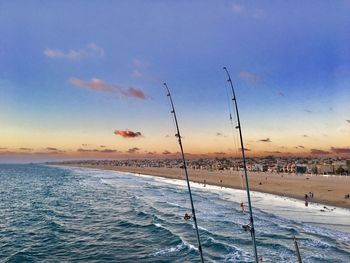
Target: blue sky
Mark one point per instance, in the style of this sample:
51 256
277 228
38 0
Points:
289 61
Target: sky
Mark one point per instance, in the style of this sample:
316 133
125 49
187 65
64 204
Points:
84 79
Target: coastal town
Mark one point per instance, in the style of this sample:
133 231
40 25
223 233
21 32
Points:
269 164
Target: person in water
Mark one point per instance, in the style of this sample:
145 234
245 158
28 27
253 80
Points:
187 216
242 206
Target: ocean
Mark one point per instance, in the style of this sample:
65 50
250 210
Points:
61 214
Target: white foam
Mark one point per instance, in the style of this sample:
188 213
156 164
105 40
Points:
286 207
177 248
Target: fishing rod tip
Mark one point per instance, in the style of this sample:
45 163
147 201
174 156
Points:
224 67
164 83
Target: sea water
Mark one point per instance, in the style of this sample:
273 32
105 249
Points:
61 214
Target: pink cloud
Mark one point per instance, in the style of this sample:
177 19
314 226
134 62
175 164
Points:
317 151
127 133
99 85
340 150
134 92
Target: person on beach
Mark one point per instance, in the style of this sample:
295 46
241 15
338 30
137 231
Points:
306 201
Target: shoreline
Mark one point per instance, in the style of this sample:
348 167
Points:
327 190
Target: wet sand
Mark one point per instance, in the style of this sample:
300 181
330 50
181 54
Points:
329 190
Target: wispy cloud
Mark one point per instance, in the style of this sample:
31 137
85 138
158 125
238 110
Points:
249 76
318 151
25 149
133 150
86 150
245 149
136 63
258 13
240 9
97 150
348 121
219 153
91 50
340 150
138 68
99 85
166 152
127 133
219 134
51 149
108 151
308 111
273 152
265 140
305 136
237 8
135 73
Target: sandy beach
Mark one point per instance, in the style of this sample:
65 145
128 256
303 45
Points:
328 190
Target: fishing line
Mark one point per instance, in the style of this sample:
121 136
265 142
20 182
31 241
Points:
249 226
234 132
172 120
184 200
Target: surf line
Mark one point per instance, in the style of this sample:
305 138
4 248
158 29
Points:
250 226
178 135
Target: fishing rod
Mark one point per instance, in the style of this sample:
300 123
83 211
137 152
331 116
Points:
186 174
249 227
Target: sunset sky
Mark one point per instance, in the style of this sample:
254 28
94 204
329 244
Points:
83 79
